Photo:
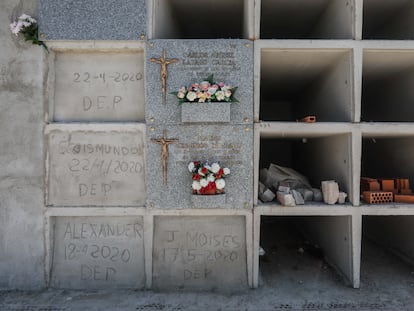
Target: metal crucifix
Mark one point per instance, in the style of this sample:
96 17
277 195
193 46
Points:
164 142
164 62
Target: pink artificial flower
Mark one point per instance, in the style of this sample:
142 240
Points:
204 85
221 84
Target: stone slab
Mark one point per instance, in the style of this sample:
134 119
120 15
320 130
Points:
199 253
205 112
99 86
230 145
229 60
98 253
96 168
92 19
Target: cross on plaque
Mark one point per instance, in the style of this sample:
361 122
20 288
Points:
164 142
164 62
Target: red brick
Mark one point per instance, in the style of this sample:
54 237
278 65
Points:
378 197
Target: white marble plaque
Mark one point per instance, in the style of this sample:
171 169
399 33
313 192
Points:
99 86
98 252
96 168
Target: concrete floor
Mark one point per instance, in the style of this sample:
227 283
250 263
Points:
291 279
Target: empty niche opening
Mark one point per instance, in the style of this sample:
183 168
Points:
302 19
317 158
387 256
196 19
387 86
297 250
298 83
385 19
389 158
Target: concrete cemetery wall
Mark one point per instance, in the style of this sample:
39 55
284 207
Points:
94 149
22 73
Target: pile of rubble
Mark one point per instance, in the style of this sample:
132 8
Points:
383 190
291 188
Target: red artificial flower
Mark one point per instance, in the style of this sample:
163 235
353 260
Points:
211 186
196 177
219 174
204 170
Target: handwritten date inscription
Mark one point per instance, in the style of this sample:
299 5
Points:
96 168
99 86
98 252
199 252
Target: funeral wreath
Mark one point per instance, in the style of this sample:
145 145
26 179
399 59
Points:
208 179
206 91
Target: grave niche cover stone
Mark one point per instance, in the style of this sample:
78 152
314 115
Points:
96 168
199 253
92 19
98 86
230 145
190 61
98 253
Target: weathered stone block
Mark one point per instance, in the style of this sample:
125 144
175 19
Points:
230 145
330 190
98 253
230 61
93 167
286 199
199 253
98 86
92 19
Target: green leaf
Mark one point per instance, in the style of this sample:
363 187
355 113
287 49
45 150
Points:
210 79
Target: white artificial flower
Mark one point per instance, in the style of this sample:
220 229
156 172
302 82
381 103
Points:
191 167
215 167
191 96
203 182
220 95
13 28
212 90
226 171
200 171
211 178
220 184
196 185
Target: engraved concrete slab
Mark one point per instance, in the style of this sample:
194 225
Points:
99 86
231 145
92 19
230 61
98 252
88 167
199 253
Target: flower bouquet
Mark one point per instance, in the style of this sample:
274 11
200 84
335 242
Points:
208 179
28 27
206 91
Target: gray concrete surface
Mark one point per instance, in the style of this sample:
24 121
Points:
21 154
97 86
93 166
296 282
93 20
199 253
98 252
